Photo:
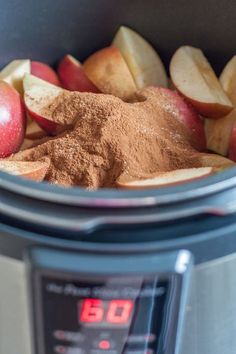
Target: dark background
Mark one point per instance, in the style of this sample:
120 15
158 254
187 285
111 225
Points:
47 29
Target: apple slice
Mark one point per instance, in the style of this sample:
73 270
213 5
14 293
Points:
44 72
164 179
12 120
232 144
31 170
213 160
14 73
227 79
34 131
219 131
72 76
38 95
109 72
143 61
30 143
195 79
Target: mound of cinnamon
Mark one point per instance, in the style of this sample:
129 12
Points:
107 138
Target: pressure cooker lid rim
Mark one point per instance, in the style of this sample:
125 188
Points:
117 198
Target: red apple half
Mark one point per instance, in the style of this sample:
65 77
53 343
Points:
72 76
195 79
12 120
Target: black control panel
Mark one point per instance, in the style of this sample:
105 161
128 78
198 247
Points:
102 313
111 316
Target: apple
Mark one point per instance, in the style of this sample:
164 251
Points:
214 160
34 131
195 79
143 61
185 113
109 72
14 73
44 72
227 79
232 144
72 76
35 88
164 179
12 120
28 169
28 143
219 131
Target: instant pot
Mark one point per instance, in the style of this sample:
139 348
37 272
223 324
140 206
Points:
113 271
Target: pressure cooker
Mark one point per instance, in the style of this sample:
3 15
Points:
113 271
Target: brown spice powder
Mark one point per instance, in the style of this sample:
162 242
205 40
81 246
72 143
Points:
111 137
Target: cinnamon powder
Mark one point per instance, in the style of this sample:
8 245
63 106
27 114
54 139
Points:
109 138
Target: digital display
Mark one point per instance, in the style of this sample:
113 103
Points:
99 312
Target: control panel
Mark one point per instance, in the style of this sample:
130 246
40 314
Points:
106 310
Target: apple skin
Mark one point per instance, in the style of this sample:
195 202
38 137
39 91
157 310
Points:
232 144
49 127
211 110
194 78
188 116
109 72
12 120
72 76
44 72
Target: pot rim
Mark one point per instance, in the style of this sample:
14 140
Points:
111 198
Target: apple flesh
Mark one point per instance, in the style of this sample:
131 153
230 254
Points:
72 76
232 145
227 79
185 113
164 179
143 61
31 170
195 79
34 88
216 161
110 74
34 131
44 72
219 131
12 120
14 73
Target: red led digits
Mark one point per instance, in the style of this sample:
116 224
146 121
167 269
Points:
119 311
91 311
96 311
